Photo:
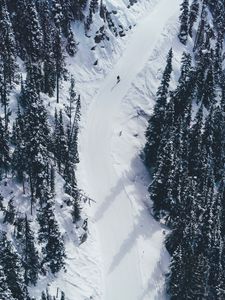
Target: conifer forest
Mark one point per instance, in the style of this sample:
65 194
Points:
112 150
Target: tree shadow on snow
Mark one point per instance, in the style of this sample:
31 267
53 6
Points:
144 225
114 192
139 230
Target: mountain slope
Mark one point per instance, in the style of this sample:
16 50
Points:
120 225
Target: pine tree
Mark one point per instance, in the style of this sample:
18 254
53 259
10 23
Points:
184 17
200 35
194 11
19 155
49 235
1 203
7 47
216 276
4 93
59 59
186 88
71 46
20 27
199 279
52 180
5 293
43 296
218 144
57 13
94 6
12 268
208 97
49 67
156 121
30 259
159 186
60 142
63 296
88 22
72 157
195 154
4 151
67 17
77 8
10 212
36 140
176 277
70 108
34 32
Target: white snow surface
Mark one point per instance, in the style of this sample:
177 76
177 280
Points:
134 260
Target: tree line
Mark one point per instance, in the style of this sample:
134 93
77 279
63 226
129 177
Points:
185 152
32 152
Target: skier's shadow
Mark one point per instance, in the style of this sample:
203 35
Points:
114 86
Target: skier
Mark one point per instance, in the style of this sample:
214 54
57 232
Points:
118 79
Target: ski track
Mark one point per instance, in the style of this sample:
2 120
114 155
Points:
113 213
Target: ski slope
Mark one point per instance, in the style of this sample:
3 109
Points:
127 250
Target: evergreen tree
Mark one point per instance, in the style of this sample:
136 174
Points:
88 22
49 64
4 94
5 293
7 46
186 90
70 108
195 154
71 46
57 13
77 8
20 27
12 268
94 6
4 151
156 121
60 142
30 257
59 59
34 32
43 296
199 279
19 155
208 96
49 235
36 141
176 277
193 15
10 212
184 17
63 296
1 203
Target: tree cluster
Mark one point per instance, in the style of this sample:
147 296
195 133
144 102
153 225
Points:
185 152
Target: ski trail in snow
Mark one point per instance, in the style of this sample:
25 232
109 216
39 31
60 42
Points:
113 212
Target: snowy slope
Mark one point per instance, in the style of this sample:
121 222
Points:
131 242
124 257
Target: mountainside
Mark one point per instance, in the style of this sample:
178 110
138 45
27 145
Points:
112 149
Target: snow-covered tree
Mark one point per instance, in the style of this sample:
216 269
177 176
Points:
184 17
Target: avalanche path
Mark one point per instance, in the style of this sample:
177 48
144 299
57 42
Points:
113 212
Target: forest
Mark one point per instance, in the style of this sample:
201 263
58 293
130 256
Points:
185 153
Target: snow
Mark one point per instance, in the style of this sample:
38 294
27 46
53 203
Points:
131 242
124 257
